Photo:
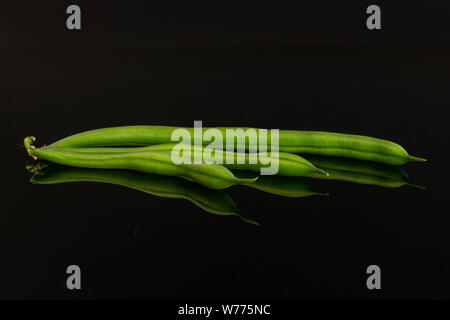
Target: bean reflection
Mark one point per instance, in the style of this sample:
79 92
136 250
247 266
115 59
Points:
361 172
213 201
293 187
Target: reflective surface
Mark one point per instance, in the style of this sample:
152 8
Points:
298 66
361 172
212 201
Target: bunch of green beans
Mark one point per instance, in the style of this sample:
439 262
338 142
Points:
141 157
312 142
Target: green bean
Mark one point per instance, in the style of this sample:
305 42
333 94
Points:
313 142
213 176
212 201
361 172
288 164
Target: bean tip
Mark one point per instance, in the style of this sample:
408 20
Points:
417 159
247 219
248 180
253 222
417 186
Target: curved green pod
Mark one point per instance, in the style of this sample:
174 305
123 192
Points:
288 164
361 172
213 176
292 141
212 201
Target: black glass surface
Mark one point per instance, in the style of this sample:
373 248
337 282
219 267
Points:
285 66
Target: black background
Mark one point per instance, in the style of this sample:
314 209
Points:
282 64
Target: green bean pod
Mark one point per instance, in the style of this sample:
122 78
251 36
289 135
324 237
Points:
213 176
213 201
312 142
288 164
362 172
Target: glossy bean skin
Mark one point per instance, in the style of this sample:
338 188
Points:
288 164
118 136
362 172
292 141
212 176
213 201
